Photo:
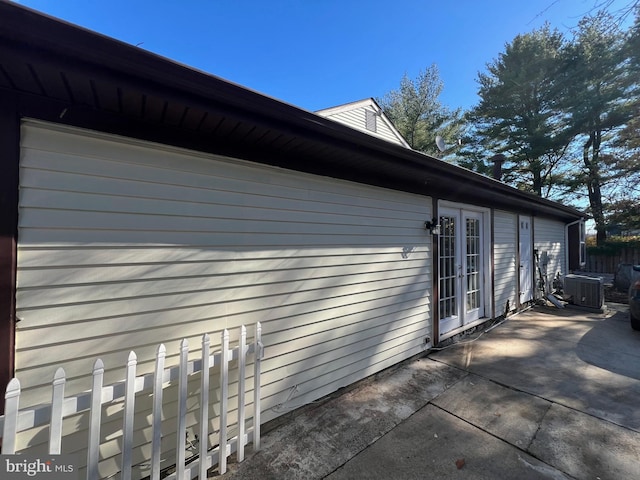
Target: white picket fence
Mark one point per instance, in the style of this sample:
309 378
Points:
15 420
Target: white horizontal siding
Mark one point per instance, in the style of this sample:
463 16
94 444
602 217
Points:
549 237
505 261
124 245
356 118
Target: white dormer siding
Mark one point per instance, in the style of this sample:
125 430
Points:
366 116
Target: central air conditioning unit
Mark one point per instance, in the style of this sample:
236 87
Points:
584 291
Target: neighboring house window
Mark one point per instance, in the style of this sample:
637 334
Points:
371 120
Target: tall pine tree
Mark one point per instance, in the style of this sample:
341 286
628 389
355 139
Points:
598 96
518 114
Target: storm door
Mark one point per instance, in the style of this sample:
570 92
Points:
461 256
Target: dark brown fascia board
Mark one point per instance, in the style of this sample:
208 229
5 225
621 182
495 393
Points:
10 154
53 36
127 64
411 175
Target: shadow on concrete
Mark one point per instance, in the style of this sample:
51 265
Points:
612 344
585 361
525 400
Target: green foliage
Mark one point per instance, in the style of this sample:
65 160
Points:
518 114
612 246
597 77
417 113
627 141
564 110
565 113
624 214
598 96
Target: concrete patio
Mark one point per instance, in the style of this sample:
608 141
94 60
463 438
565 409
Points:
549 393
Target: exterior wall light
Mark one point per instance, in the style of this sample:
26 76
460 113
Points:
433 226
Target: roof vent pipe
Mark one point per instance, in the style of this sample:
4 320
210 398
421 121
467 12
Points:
497 161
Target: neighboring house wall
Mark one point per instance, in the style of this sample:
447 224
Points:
505 261
549 241
124 244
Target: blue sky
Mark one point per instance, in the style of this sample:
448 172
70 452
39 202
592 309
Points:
321 53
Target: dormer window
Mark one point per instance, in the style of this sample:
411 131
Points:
370 120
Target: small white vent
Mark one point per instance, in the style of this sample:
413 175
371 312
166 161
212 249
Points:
371 120
584 291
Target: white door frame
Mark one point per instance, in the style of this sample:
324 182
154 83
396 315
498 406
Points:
525 255
462 253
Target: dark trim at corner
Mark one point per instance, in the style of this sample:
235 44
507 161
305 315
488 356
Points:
519 304
435 262
492 263
10 159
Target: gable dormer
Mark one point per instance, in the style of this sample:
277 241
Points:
366 116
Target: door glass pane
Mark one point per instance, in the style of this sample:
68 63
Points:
473 263
448 270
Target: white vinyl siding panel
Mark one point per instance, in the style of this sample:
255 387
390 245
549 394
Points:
549 237
505 261
356 118
124 245
142 241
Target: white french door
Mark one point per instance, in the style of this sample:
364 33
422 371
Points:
461 256
526 259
